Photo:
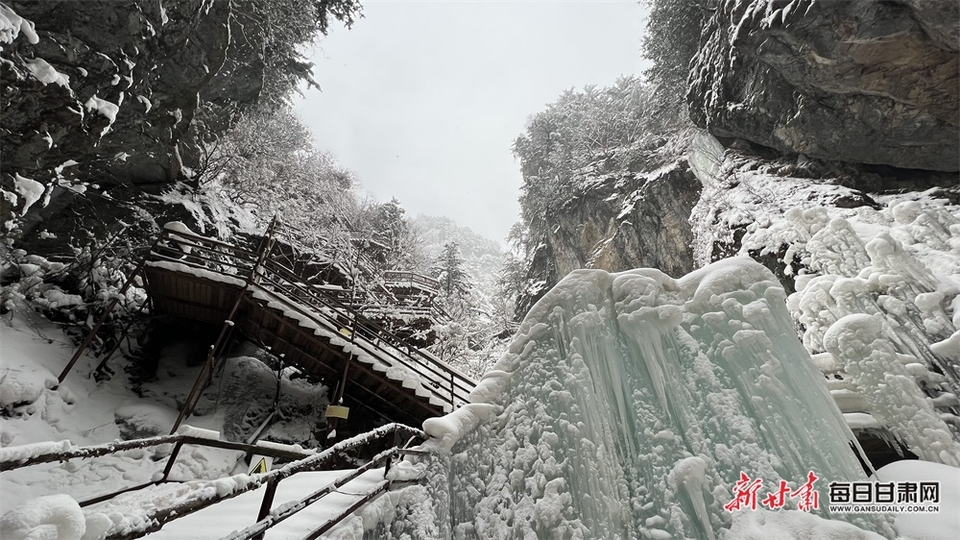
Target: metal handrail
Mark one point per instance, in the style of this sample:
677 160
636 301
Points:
370 329
288 510
371 338
395 276
301 462
160 516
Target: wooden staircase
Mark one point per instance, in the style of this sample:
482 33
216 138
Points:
204 280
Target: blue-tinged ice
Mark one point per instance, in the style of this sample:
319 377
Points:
629 404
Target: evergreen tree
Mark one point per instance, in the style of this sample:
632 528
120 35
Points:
392 243
671 39
448 269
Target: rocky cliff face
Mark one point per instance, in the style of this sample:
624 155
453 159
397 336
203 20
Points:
615 222
637 220
113 87
859 81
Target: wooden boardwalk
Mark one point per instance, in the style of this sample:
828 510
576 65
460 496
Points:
204 280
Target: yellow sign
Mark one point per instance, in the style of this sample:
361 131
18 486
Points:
261 464
338 411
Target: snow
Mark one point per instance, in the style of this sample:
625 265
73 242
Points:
944 525
45 73
27 451
404 513
103 107
29 189
200 433
55 299
82 412
895 257
859 420
894 398
241 511
793 525
279 446
446 429
380 357
948 348
55 517
211 275
23 383
11 25
146 103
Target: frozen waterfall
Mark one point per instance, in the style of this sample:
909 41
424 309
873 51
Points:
629 405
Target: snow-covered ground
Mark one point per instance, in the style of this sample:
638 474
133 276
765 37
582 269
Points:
40 415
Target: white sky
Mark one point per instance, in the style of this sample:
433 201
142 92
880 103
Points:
423 99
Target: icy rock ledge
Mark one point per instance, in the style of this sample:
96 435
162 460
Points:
628 405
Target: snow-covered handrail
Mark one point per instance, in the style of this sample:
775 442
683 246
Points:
447 374
287 510
15 457
392 277
218 491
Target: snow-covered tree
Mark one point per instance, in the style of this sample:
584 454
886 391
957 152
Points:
448 269
267 164
277 31
392 241
584 140
671 39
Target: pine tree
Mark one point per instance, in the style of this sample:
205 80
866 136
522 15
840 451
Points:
392 241
671 39
448 269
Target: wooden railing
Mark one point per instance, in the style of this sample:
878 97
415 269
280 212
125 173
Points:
392 435
286 287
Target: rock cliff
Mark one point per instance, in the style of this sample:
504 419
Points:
110 87
858 81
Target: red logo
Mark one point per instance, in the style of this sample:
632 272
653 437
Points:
745 494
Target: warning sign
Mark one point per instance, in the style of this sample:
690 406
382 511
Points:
260 464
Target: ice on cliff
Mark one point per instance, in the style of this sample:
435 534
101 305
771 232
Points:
629 404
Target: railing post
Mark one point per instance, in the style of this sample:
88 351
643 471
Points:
268 494
453 394
228 324
194 392
171 460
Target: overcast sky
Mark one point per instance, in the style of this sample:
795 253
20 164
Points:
423 99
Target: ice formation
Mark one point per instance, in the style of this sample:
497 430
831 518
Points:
629 405
894 258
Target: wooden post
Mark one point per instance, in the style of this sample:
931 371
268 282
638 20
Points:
106 313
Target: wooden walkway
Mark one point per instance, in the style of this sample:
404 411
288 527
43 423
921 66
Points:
209 281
